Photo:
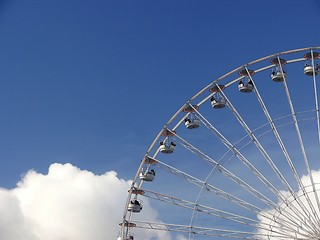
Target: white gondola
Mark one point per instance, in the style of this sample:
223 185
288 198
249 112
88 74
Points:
309 70
278 76
217 101
191 123
218 104
245 87
311 67
167 148
278 73
147 176
135 206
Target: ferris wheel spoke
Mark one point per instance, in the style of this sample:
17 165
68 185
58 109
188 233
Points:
209 187
239 155
285 219
220 213
304 157
311 216
259 175
200 208
264 153
217 232
227 173
258 144
232 148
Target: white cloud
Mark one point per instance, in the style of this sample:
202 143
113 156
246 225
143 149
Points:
294 227
67 204
180 237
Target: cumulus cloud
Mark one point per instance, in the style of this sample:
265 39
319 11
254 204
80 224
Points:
293 220
67 204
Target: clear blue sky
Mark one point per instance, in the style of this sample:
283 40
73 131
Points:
92 82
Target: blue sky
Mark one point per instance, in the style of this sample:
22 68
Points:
92 82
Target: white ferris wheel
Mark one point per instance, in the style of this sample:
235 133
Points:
239 160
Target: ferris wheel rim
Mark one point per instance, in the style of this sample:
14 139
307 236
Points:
193 107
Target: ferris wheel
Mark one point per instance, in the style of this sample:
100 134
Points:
239 160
